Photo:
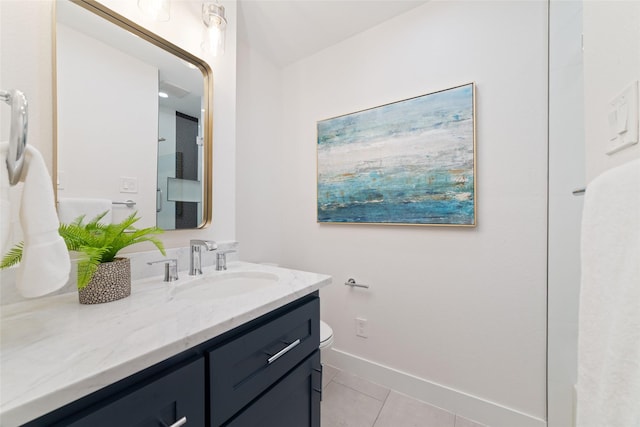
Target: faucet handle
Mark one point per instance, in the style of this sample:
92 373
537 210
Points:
221 259
170 268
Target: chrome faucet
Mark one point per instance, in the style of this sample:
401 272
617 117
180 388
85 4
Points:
195 260
170 268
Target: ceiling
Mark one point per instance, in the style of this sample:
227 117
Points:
285 31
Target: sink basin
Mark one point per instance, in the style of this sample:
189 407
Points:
226 285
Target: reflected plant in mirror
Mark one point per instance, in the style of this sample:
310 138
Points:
133 118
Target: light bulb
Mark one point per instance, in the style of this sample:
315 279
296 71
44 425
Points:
215 22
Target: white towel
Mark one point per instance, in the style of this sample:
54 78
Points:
45 264
70 208
5 201
609 324
10 196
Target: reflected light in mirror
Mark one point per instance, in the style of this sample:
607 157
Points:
157 10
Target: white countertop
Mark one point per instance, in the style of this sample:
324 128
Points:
54 350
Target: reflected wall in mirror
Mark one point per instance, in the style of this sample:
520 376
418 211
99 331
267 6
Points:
133 119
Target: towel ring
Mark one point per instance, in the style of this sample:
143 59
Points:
18 133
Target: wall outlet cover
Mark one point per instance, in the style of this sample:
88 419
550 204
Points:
361 327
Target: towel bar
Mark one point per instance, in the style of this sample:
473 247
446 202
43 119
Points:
129 203
18 133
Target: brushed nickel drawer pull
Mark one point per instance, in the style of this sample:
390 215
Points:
182 421
282 352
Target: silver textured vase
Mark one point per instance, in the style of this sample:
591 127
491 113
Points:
111 282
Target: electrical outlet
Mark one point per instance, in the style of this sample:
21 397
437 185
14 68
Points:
361 327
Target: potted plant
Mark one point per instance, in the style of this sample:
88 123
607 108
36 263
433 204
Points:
102 277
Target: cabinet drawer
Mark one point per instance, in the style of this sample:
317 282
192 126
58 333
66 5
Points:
245 367
163 401
292 402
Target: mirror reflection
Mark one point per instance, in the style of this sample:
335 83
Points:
133 121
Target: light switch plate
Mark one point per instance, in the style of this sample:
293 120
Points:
623 118
128 184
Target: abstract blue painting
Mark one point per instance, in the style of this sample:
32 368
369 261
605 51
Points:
408 162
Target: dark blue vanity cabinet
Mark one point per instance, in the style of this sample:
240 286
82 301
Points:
292 402
175 398
261 361
265 373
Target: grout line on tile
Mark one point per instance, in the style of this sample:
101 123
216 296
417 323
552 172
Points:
359 391
381 408
338 381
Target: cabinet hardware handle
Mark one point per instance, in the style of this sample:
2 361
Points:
318 370
282 352
182 421
317 390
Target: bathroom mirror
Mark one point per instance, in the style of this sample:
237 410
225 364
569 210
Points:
133 119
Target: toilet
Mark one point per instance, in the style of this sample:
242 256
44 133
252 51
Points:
326 335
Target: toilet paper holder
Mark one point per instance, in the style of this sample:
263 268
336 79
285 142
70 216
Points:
354 284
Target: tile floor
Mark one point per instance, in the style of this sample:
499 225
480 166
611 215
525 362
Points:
350 401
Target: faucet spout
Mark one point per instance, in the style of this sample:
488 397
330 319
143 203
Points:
195 260
210 245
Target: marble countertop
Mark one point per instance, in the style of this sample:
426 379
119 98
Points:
54 350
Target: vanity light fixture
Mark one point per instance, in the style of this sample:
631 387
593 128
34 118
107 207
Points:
216 23
157 10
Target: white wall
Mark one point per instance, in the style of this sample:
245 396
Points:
566 173
462 310
107 124
26 63
260 162
611 63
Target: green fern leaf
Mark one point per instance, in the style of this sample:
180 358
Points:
96 242
13 257
88 265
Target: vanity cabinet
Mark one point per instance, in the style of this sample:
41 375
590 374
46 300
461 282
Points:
175 398
245 367
292 402
264 373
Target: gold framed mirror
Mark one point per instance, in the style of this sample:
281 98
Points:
133 120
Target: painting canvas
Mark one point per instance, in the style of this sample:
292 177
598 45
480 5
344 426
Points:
408 162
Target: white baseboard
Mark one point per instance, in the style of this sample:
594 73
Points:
457 402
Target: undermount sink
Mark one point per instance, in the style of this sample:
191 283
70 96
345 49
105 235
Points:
226 285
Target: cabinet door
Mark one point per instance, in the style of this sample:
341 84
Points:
245 367
175 398
293 402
